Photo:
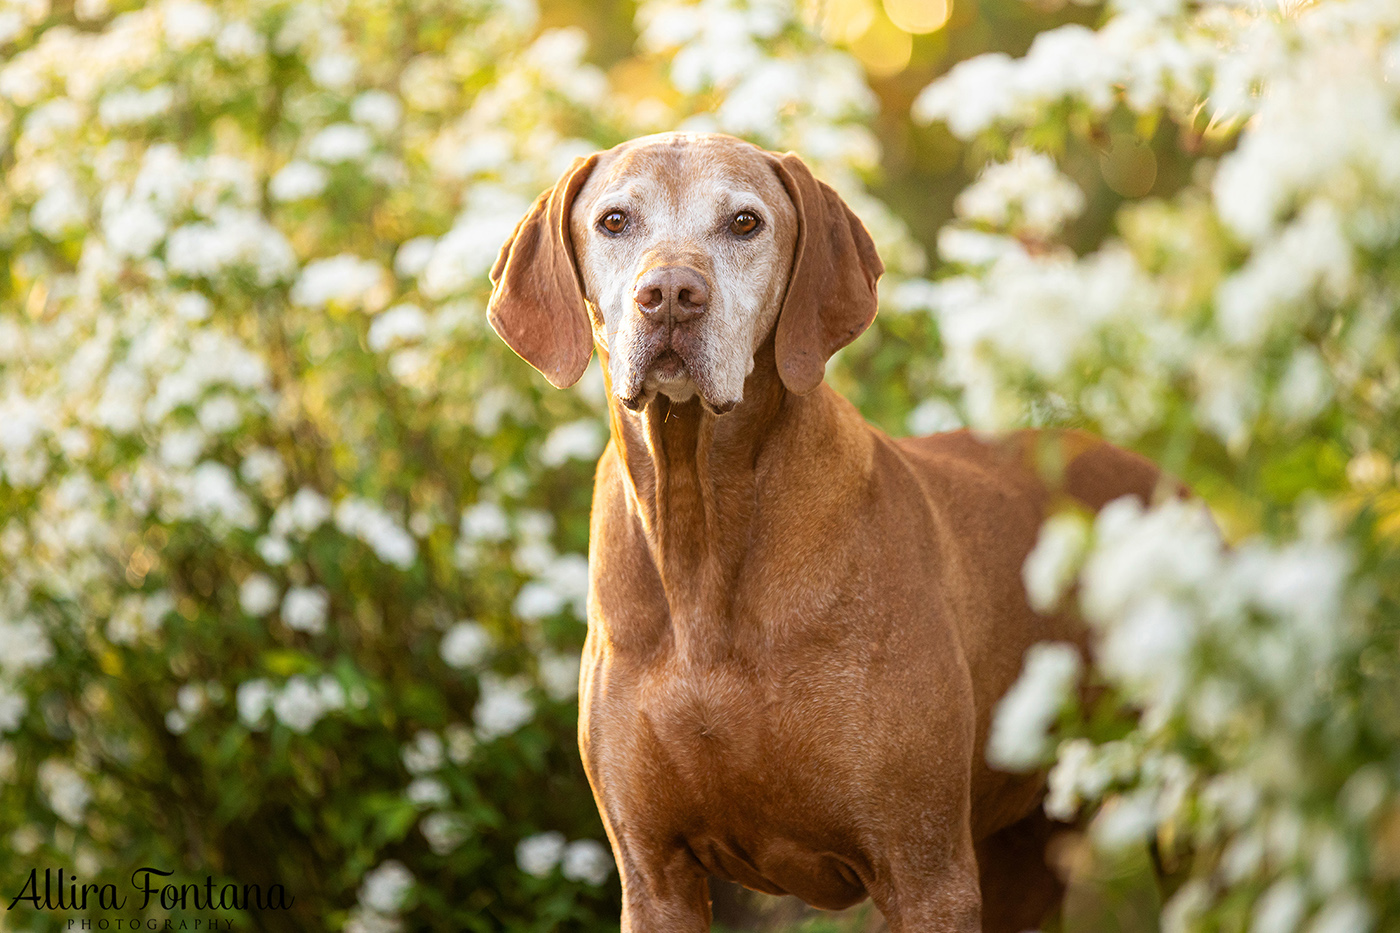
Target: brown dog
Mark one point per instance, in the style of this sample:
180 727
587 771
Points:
799 627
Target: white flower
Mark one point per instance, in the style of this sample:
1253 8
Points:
130 105
466 252
402 323
27 839
1051 564
1026 193
537 600
238 41
965 247
234 239
386 888
971 96
1281 908
580 440
1148 649
533 557
413 256
304 609
389 540
23 645
378 110
504 706
262 467
1305 387
587 860
540 854
11 26
1364 792
465 645
67 792
444 831
302 514
1137 551
133 229
257 594
340 142
345 278
428 792
192 306
331 692
1125 821
191 699
485 521
334 70
188 22
297 181
13 706
424 754
212 494
219 414
135 616
274 549
59 212
1066 779
559 674
364 920
932 416
563 581
298 705
1031 706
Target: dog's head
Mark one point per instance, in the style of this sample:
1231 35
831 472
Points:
679 254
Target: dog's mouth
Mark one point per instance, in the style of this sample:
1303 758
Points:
671 371
667 367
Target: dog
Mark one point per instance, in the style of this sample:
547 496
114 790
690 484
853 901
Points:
798 627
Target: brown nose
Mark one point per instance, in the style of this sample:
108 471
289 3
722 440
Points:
672 293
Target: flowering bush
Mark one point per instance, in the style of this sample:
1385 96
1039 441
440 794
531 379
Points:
1241 329
293 576
291 548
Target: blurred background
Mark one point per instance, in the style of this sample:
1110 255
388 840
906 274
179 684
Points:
292 548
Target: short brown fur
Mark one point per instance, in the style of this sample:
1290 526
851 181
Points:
799 628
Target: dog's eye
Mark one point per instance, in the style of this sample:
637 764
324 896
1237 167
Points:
744 223
613 222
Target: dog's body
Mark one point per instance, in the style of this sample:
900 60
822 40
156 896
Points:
798 627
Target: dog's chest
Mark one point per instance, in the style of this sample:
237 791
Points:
706 716
704 741
751 770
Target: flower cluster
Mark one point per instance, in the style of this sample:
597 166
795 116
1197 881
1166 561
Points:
278 513
1241 330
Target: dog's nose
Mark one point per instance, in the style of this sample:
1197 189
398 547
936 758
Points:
675 293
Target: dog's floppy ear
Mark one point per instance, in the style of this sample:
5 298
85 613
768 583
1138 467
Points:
831 295
537 304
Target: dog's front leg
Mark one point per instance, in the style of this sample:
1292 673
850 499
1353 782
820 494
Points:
664 890
925 879
942 899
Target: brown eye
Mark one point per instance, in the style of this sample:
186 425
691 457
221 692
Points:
743 223
614 222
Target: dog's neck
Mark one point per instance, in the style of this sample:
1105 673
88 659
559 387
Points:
694 483
691 474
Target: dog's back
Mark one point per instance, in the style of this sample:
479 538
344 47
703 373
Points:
990 495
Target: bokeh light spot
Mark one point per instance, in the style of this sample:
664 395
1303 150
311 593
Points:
919 16
1129 166
883 49
845 21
